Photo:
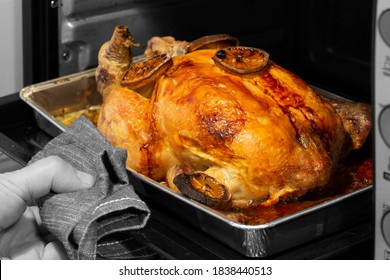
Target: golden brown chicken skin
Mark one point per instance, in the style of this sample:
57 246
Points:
263 136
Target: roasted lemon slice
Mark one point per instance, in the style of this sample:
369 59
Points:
199 186
146 71
216 41
203 188
241 60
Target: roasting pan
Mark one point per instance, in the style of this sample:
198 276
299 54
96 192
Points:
78 91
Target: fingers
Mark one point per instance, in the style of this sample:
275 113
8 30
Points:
51 173
54 251
35 181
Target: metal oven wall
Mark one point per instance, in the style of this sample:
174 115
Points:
85 25
326 42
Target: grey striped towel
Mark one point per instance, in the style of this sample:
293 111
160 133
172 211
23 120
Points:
94 223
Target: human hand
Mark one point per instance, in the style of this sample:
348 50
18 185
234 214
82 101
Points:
22 235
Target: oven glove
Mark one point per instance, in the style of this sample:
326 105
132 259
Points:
95 223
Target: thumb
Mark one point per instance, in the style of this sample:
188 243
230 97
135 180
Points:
51 173
35 181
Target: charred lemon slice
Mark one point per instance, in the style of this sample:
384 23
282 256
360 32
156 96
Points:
198 186
216 41
241 60
146 71
203 188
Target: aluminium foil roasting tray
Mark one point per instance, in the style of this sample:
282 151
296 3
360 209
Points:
78 91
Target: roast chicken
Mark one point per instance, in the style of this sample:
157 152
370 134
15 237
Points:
224 136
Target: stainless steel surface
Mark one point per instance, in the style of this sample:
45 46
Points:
12 156
63 95
74 91
7 164
381 105
84 25
265 239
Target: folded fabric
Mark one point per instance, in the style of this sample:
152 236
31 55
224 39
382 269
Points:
94 223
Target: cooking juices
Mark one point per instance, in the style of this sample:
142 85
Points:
354 174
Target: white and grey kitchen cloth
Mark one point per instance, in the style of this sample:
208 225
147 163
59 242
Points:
94 223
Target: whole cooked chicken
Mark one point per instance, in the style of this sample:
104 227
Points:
222 123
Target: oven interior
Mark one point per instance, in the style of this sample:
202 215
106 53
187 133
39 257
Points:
326 42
